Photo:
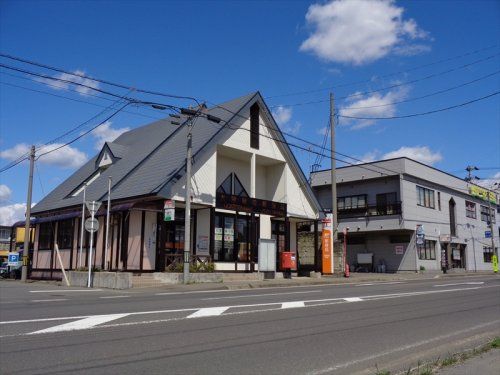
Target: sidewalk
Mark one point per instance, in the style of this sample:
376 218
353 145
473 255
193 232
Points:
484 364
355 278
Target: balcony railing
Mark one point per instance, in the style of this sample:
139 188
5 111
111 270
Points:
371 210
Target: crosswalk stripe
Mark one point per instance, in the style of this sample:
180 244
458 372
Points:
291 305
86 323
209 311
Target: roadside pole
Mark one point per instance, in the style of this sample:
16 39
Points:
91 225
27 223
335 223
187 214
82 227
493 248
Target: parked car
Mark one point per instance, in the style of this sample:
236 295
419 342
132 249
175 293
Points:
10 272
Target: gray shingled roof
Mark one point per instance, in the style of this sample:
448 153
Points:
151 158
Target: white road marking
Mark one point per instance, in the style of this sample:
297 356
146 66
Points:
468 283
86 323
399 349
65 290
115 297
353 299
381 283
292 305
209 311
49 300
89 321
261 295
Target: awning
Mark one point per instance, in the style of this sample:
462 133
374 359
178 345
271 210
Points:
73 214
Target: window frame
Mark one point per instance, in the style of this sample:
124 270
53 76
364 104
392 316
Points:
347 202
470 210
428 251
254 125
65 240
488 254
487 214
426 197
47 231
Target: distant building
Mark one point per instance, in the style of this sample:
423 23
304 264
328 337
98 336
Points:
246 185
383 202
5 237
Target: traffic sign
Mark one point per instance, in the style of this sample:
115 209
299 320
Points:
13 259
93 206
91 225
487 234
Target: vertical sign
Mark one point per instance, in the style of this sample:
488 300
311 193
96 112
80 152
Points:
169 210
327 244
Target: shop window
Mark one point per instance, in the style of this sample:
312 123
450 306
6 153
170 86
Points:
427 251
488 254
232 186
254 126
425 197
65 234
46 236
470 209
485 214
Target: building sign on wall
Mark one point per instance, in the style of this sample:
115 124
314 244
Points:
399 249
327 244
169 210
245 204
202 245
481 193
456 254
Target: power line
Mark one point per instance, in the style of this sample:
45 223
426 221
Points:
383 76
405 83
424 113
97 79
76 100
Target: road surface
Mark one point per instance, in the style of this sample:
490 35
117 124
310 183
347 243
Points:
337 329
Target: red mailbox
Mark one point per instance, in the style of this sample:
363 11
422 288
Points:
288 260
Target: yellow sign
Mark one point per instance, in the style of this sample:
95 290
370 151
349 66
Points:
494 260
20 234
484 194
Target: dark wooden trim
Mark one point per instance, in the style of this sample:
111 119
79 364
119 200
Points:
118 240
103 244
112 244
143 223
287 234
72 245
194 228
211 235
124 247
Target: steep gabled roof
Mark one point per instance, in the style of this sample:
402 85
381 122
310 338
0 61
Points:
150 159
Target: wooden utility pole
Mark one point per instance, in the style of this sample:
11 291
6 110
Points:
27 223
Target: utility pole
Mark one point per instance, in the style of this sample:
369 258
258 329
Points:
192 115
27 223
335 223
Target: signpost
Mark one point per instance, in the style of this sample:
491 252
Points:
327 244
487 234
91 225
13 259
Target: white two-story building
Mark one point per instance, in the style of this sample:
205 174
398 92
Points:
383 203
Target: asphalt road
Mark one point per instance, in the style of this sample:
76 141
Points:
345 329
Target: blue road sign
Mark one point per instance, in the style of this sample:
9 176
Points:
13 259
487 234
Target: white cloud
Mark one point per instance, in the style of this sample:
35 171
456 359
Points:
422 154
292 129
359 31
12 213
322 131
5 193
282 114
79 79
105 133
374 105
65 157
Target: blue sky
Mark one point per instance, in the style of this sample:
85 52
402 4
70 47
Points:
220 50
